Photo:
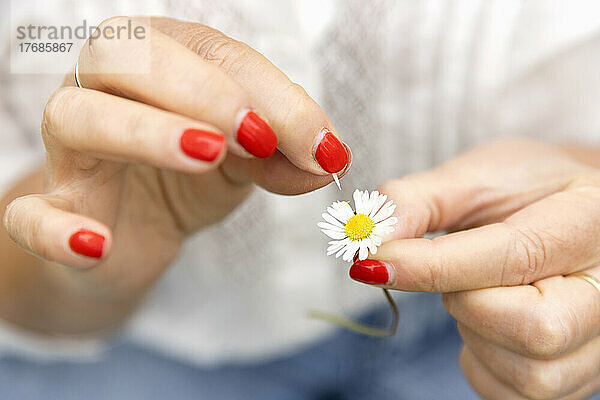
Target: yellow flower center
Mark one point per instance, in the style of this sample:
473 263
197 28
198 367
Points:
359 227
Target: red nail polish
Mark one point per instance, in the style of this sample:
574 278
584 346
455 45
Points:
370 271
202 145
256 136
87 244
331 154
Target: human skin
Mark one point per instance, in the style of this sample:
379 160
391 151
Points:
126 181
522 214
527 214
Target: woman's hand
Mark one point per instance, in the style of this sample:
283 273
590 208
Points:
158 143
528 214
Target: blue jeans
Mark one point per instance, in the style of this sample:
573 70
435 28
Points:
346 366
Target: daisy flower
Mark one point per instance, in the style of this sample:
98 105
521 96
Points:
362 230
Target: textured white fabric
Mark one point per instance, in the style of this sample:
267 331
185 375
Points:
408 85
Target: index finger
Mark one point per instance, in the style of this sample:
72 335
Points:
554 236
173 78
306 135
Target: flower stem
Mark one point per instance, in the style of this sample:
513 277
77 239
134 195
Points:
358 327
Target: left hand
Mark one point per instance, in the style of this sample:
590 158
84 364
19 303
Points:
528 213
156 144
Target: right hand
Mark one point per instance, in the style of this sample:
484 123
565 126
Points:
116 169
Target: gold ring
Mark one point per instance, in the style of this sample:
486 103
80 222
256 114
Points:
77 82
589 278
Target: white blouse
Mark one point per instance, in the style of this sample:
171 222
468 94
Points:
407 84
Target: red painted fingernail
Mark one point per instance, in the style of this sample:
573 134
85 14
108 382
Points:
370 271
256 136
331 153
202 145
87 244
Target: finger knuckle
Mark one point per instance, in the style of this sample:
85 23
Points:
305 105
9 220
23 226
589 180
431 275
137 137
215 91
546 335
428 280
54 110
540 380
103 41
301 108
216 47
527 260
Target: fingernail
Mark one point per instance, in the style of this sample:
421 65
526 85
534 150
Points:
202 145
256 136
373 272
88 244
330 152
348 163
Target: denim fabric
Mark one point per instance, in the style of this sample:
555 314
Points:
346 366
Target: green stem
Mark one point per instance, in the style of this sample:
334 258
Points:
358 327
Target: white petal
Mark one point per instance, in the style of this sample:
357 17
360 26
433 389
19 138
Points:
365 202
376 239
380 200
329 253
345 256
330 227
342 251
388 222
329 218
343 244
363 253
336 242
386 211
369 243
358 201
336 245
372 202
374 196
345 241
344 211
386 205
348 255
351 250
372 246
336 213
334 234
382 231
